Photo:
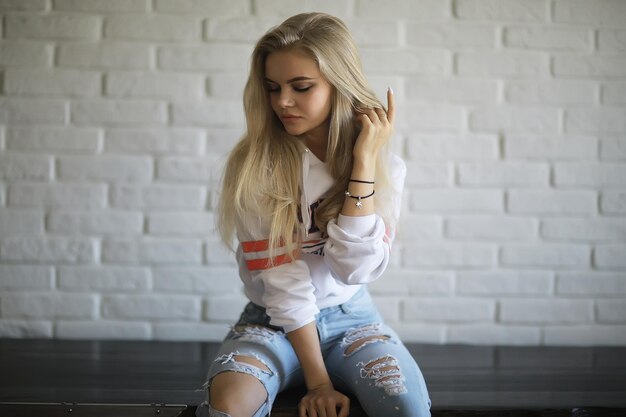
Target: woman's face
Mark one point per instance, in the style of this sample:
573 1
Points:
299 95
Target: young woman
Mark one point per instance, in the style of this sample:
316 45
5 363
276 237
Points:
312 196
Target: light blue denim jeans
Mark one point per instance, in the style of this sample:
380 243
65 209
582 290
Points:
363 356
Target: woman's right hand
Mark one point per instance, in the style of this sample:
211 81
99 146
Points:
323 401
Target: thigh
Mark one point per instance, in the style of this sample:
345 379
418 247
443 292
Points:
372 362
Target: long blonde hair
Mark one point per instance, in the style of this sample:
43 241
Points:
263 172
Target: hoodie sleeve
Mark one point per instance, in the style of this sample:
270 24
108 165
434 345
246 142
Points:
358 248
288 291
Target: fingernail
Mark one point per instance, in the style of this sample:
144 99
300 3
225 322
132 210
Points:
390 90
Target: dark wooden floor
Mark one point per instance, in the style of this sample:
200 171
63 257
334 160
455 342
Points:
462 380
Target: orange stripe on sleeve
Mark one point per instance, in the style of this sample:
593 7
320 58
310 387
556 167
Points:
264 263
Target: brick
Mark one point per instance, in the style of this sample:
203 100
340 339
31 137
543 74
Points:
158 196
503 173
95 223
595 174
155 85
546 311
406 61
53 139
26 277
527 11
502 64
225 307
420 332
456 200
448 90
504 283
185 331
421 283
595 66
151 307
428 174
161 28
427 10
49 305
23 5
58 195
448 255
614 92
201 7
209 113
237 29
611 40
181 224
612 311
545 255
152 251
22 53
515 119
549 147
451 35
226 57
389 308
613 201
57 82
421 227
175 141
597 229
53 26
603 13
550 38
116 55
102 330
25 167
115 168
189 169
194 279
493 334
51 249
21 222
585 335
32 110
432 117
612 147
557 202
490 227
374 32
557 92
118 112
103 279
222 140
449 310
102 5
609 256
24 329
216 253
591 283
441 146
227 86
605 120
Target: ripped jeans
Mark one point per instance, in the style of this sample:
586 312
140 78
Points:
363 356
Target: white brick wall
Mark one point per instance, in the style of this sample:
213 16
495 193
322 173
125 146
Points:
116 116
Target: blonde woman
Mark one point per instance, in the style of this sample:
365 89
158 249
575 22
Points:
312 196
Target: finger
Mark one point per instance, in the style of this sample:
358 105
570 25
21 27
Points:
301 410
373 115
391 105
321 409
344 409
311 412
382 115
331 410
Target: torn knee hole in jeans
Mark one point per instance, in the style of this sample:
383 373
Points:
356 339
386 374
249 363
253 333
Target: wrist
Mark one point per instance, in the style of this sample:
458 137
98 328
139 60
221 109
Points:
363 170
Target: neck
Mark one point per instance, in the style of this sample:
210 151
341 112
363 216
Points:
317 141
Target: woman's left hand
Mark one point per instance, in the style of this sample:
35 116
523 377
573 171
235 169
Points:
376 130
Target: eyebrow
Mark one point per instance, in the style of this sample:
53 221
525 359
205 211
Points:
291 80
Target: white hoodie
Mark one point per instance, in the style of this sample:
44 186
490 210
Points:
330 269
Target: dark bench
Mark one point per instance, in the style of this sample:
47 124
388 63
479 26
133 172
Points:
144 378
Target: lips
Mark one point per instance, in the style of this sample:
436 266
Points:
289 117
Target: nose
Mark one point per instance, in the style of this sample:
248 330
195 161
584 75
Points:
285 99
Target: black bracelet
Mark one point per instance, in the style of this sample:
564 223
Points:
358 198
362 182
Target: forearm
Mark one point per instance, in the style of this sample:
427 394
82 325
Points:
307 346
